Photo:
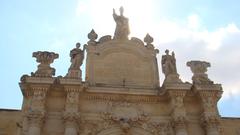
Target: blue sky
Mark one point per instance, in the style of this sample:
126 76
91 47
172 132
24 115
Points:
202 30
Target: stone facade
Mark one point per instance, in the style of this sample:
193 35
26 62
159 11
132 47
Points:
121 94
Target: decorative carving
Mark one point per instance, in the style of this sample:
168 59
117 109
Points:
71 116
211 125
137 41
169 68
77 56
45 59
38 100
72 101
199 69
36 118
105 38
72 97
118 112
122 27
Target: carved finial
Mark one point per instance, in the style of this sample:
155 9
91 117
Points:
92 36
199 69
45 59
148 39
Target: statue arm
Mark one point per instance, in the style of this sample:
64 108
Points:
114 14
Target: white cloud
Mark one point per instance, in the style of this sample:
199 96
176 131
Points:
193 21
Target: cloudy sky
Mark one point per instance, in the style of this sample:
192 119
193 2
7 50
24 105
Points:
195 30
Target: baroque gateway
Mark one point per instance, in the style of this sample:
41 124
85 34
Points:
121 94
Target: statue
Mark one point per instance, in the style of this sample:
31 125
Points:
169 68
77 56
169 63
122 27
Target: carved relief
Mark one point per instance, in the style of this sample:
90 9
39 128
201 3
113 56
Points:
72 97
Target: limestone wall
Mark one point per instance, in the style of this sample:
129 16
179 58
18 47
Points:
8 120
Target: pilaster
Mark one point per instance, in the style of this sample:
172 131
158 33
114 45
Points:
36 113
71 113
177 93
210 118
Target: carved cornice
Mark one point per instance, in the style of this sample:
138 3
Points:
39 87
73 88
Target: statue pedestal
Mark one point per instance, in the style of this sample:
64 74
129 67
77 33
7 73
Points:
172 78
73 73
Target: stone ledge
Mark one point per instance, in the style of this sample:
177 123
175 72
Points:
207 87
122 90
177 86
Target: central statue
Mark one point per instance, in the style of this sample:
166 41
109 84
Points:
122 27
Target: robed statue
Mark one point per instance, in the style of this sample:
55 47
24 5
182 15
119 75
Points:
169 63
77 56
122 27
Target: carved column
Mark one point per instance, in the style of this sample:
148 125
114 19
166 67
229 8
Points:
37 110
210 116
178 112
71 114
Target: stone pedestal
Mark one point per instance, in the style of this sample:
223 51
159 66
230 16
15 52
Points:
172 78
73 73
